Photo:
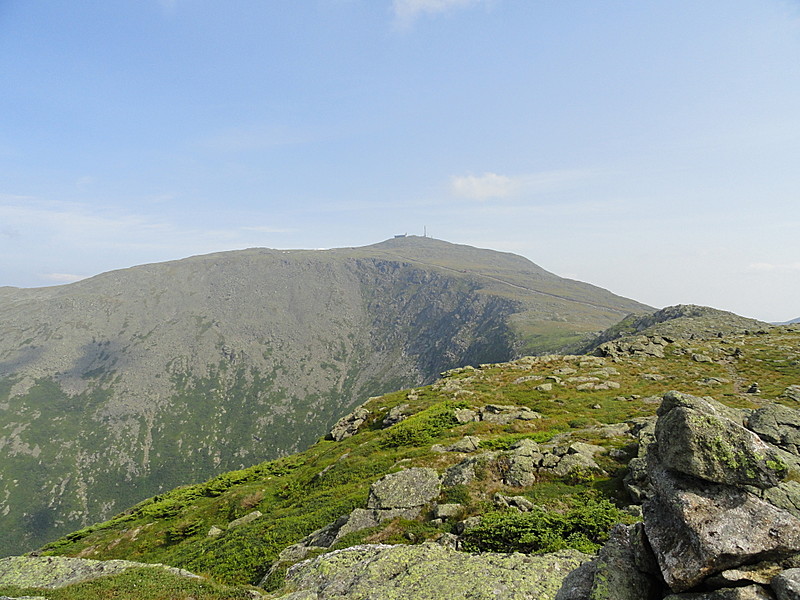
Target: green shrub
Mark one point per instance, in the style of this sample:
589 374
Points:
505 442
457 494
423 427
584 527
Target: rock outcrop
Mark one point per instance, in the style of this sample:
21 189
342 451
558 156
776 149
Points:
429 572
52 572
401 494
718 519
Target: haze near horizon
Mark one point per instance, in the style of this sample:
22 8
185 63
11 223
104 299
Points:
648 148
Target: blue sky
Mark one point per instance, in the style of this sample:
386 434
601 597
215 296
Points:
651 147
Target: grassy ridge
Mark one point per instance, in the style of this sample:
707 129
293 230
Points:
303 492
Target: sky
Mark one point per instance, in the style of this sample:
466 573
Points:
651 147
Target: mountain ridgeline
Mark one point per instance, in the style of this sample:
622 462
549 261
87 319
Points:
133 382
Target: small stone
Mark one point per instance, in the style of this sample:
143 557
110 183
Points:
465 415
447 511
545 387
214 531
702 358
245 519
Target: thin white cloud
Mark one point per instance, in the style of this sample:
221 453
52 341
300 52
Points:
482 187
264 229
492 185
765 267
406 11
63 277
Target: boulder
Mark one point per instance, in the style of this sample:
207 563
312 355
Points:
465 415
447 511
792 392
695 439
429 572
785 495
395 415
405 489
779 425
697 529
786 585
575 463
348 425
623 570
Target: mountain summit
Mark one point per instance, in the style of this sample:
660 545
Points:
132 382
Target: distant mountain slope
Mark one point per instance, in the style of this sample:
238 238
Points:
797 320
135 381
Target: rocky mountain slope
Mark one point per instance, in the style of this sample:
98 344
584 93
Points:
130 383
540 456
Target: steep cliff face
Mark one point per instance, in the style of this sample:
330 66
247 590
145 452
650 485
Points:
118 387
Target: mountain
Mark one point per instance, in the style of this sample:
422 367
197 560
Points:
532 455
797 320
133 382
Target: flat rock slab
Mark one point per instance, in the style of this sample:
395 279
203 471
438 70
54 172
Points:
429 572
58 571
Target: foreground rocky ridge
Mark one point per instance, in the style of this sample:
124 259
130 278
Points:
721 517
479 453
133 382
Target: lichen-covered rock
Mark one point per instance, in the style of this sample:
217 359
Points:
395 415
447 511
406 489
623 570
430 572
708 405
572 463
786 585
779 425
785 495
469 443
249 517
697 529
695 441
348 425
502 414
52 572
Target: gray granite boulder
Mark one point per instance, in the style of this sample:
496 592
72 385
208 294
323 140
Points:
348 425
697 529
779 425
405 489
786 585
697 440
